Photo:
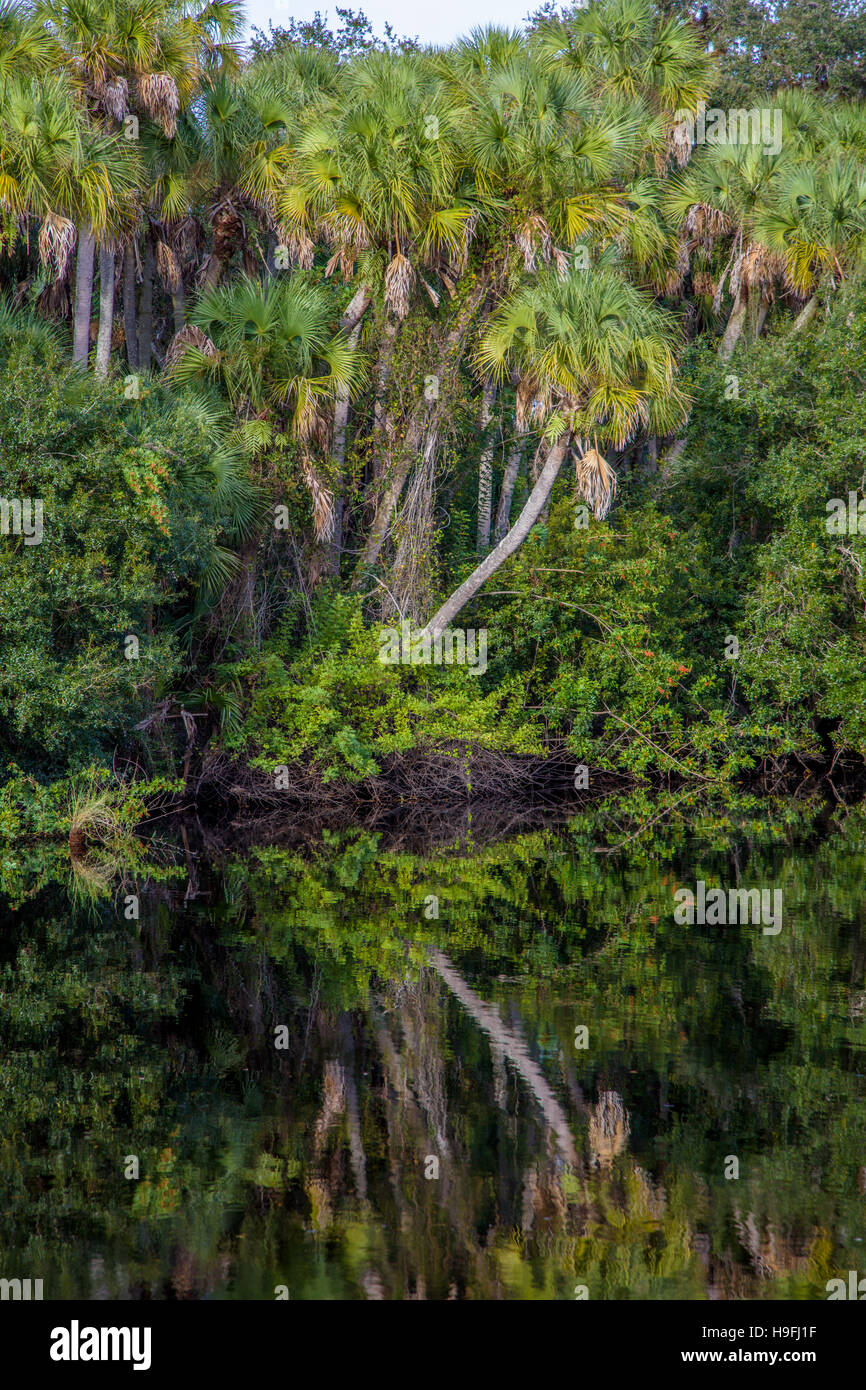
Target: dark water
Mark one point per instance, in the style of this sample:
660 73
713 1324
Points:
433 1127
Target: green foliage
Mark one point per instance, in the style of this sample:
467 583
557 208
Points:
131 516
335 704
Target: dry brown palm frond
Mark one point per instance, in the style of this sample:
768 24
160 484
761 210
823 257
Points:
300 247
399 279
672 280
704 222
322 499
532 402
758 268
56 240
113 97
228 231
679 143
54 301
188 238
158 94
190 336
467 233
703 282
596 481
449 282
168 266
561 259
533 239
348 234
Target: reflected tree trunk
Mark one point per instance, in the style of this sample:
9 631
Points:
513 1047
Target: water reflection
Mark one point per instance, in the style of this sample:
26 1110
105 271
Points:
496 1070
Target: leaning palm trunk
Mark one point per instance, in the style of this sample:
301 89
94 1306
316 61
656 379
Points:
106 310
734 326
485 471
130 315
805 315
83 296
510 543
509 481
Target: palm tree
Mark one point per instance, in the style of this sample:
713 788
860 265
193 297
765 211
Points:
720 200
142 59
816 224
595 359
270 349
103 203
27 49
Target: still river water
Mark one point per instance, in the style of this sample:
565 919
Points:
366 1066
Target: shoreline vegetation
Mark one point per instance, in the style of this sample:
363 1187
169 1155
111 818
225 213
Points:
321 360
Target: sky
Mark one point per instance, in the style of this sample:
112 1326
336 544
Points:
432 21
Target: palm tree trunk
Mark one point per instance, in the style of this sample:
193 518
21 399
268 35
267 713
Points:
130 316
178 304
806 315
106 310
485 471
83 296
509 480
761 317
734 326
510 543
383 376
387 502
421 423
350 323
145 309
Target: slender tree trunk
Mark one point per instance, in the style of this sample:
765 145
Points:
673 453
83 296
178 305
130 316
806 315
510 543
351 324
509 480
145 308
387 502
761 317
380 415
734 326
422 420
106 310
485 470
212 272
